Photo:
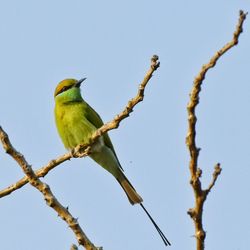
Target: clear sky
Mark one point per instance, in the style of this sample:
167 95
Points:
111 43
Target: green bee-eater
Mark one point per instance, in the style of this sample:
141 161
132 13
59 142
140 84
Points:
76 121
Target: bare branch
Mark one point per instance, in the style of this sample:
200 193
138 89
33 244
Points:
200 194
83 150
47 193
39 173
216 173
80 151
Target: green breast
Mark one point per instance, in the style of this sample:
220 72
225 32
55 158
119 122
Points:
73 126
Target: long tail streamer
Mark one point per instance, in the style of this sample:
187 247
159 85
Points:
163 237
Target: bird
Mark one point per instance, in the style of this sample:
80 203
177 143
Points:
76 121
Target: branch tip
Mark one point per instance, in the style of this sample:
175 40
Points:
154 62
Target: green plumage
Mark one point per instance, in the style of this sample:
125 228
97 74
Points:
76 121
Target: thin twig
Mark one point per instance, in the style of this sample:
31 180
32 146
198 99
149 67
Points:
216 173
200 194
83 150
47 193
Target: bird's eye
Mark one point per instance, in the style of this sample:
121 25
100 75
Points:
64 88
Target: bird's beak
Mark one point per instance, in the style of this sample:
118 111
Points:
78 84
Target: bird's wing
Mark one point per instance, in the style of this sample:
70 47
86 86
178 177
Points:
96 120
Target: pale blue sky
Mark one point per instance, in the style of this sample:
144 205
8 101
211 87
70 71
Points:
110 43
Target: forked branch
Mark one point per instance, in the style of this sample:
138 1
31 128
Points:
32 177
47 193
83 150
195 172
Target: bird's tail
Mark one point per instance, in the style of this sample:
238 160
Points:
130 191
162 235
135 198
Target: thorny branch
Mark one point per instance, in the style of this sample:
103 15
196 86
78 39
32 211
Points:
200 194
80 151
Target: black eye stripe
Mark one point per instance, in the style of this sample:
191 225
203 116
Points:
64 89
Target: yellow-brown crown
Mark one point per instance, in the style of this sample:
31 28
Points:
64 85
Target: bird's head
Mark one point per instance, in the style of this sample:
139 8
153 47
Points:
66 85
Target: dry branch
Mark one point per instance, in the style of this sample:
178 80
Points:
200 194
80 151
47 193
39 173
83 150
